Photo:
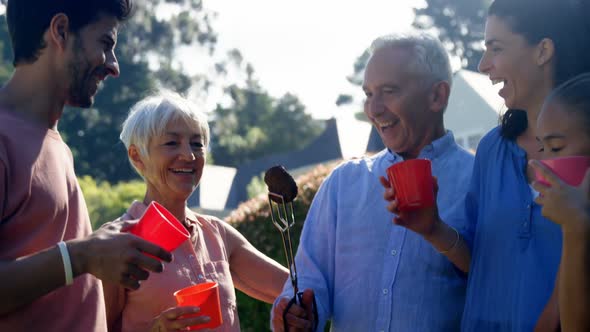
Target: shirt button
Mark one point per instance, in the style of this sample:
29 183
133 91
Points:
393 252
191 256
201 276
385 291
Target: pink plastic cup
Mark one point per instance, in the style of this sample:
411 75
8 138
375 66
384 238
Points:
160 227
570 169
413 184
206 297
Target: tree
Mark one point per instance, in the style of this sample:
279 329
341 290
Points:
146 52
5 51
257 124
460 25
356 78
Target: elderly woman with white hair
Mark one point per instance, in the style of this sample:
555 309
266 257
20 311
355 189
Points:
166 139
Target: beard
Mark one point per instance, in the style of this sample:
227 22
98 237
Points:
83 77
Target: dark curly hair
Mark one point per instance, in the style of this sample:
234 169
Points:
28 19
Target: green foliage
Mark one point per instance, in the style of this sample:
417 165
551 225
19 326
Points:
252 219
145 50
5 51
361 116
343 99
107 202
256 125
256 186
460 24
358 69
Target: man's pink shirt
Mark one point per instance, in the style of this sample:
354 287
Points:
41 204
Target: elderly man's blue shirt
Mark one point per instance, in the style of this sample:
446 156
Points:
369 274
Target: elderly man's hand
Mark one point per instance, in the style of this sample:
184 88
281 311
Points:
422 221
298 318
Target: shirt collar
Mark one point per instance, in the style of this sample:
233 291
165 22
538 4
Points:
431 151
136 210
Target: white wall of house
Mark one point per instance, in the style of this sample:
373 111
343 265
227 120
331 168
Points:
353 136
474 107
215 186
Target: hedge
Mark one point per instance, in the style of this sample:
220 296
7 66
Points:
108 202
252 219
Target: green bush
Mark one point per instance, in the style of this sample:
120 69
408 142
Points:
256 186
252 219
107 202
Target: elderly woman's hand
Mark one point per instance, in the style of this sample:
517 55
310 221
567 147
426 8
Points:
563 204
171 319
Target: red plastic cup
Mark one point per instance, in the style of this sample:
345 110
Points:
413 184
160 227
206 297
570 169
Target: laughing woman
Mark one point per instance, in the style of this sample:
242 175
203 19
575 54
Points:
166 139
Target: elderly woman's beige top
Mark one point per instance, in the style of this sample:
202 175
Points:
203 258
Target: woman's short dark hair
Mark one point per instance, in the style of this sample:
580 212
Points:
562 21
574 96
29 19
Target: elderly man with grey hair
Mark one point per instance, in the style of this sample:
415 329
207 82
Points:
367 273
